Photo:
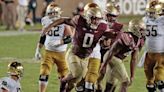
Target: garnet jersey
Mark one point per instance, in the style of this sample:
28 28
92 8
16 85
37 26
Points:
113 30
111 34
155 35
85 38
56 33
10 85
128 44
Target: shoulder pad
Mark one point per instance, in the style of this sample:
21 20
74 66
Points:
75 19
103 26
46 21
160 19
126 39
117 26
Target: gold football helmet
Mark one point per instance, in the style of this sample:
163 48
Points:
150 7
160 7
15 68
92 11
55 9
112 9
90 5
135 27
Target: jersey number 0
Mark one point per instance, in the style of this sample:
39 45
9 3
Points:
88 40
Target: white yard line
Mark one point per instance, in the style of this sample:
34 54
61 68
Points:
9 59
15 33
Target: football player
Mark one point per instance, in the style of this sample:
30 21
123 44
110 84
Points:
93 62
124 43
154 61
55 42
112 12
89 30
149 19
12 83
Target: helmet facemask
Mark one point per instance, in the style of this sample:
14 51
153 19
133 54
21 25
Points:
53 11
150 9
93 17
112 12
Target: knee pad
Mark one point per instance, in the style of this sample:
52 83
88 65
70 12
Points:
151 88
160 85
43 78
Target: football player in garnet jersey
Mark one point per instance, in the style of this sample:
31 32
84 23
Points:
89 29
125 43
112 12
55 42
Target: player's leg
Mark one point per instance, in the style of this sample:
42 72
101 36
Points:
159 74
111 80
45 69
119 72
149 72
92 74
61 68
77 69
101 75
99 82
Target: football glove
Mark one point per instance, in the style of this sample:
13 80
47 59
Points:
38 55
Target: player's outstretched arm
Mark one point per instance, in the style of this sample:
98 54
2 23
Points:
109 54
39 46
134 58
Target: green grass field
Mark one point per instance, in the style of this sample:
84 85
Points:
22 48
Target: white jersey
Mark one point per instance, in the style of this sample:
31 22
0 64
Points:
155 35
10 84
96 52
56 34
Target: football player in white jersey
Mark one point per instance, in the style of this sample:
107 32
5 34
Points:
55 42
11 83
154 60
149 19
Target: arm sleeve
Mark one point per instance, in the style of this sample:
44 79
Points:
42 39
